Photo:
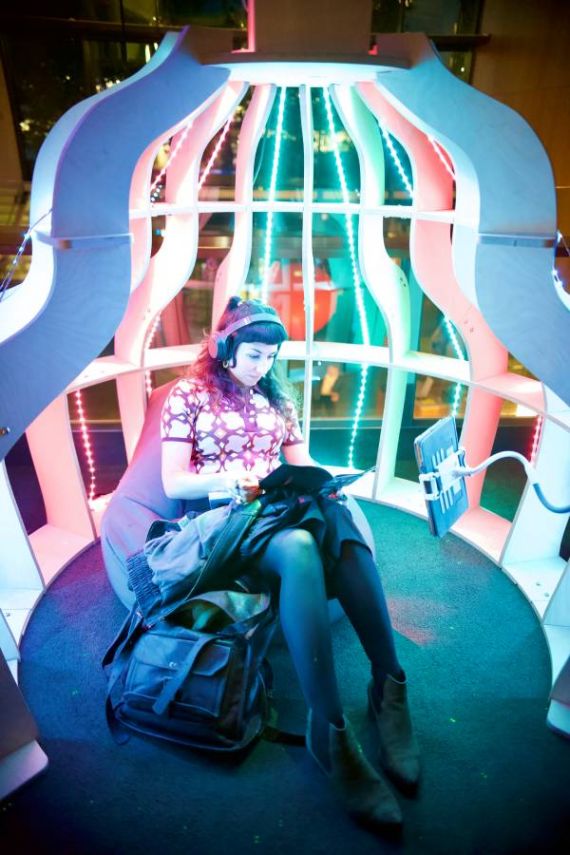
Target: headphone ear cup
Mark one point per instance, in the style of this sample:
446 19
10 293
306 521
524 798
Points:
222 348
214 345
218 347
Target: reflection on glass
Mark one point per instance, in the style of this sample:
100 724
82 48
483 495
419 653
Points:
335 391
100 404
189 314
334 394
518 368
158 226
336 315
458 62
282 279
293 372
396 233
436 398
48 76
451 17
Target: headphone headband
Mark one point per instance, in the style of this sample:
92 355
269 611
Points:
217 344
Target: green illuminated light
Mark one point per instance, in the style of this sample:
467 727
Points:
271 196
355 277
401 171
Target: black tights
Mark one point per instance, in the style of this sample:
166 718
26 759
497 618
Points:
292 558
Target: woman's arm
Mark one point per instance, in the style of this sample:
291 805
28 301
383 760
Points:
298 454
180 483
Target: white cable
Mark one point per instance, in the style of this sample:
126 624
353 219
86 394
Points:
467 471
500 455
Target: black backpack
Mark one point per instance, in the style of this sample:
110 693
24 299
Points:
199 677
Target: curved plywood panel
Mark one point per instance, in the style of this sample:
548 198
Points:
83 174
503 241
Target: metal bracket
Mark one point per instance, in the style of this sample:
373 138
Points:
443 477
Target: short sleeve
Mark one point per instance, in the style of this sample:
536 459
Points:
179 411
293 435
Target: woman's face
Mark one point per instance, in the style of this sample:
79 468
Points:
253 360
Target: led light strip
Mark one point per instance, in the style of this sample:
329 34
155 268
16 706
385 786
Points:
395 157
438 150
271 195
87 448
154 187
458 391
355 277
206 171
149 338
215 153
537 433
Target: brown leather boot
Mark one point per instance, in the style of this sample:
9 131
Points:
399 751
365 794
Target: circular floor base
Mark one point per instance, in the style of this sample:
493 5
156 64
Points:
495 778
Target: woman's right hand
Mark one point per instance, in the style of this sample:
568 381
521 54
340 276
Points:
247 487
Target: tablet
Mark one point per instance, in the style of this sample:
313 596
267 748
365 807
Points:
309 479
445 504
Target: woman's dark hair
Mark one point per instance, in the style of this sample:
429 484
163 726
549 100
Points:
211 372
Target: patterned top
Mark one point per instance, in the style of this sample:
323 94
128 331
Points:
225 439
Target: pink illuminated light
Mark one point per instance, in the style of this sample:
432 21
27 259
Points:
150 337
536 438
154 186
443 156
215 153
87 447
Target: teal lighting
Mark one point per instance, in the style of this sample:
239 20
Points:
398 163
271 195
358 292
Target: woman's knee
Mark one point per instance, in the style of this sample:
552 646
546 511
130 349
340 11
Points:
293 550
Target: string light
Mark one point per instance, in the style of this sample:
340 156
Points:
458 390
148 342
216 151
398 163
271 194
537 433
439 151
6 281
358 291
87 448
157 185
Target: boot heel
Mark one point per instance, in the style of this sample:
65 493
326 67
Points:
365 794
399 751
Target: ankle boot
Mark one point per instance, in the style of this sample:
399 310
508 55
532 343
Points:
399 751
366 795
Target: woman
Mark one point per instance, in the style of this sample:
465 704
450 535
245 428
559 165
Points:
223 428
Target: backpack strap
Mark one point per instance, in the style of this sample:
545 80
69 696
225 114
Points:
117 656
170 688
